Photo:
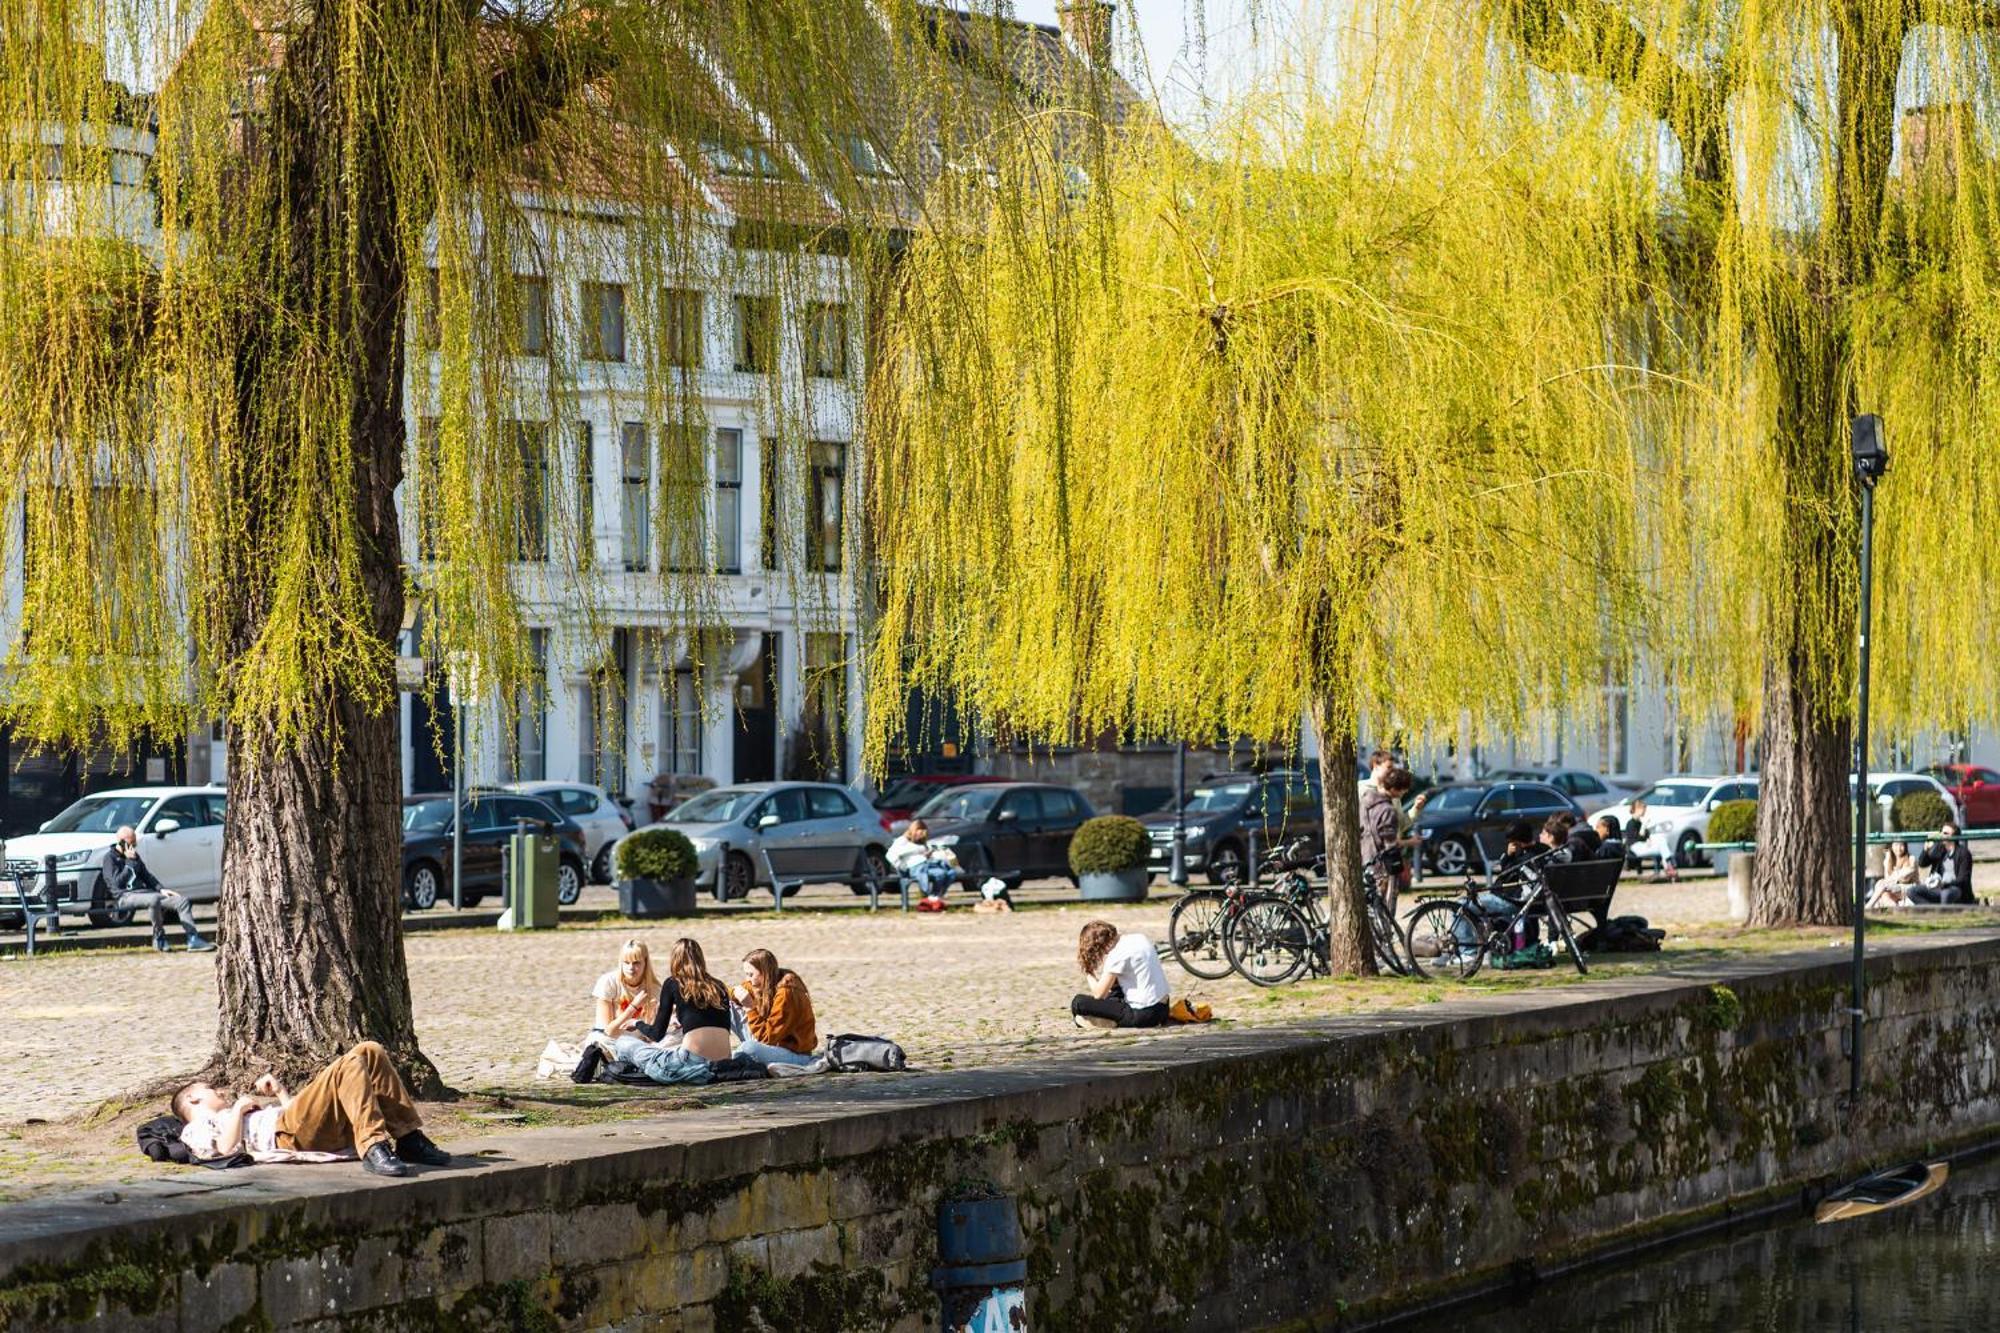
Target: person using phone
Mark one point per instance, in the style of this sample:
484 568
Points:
134 888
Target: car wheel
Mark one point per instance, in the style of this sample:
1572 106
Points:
737 877
420 887
569 882
111 918
1687 851
600 869
1225 864
878 866
1452 858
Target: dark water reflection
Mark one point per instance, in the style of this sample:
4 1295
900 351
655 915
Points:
1932 1267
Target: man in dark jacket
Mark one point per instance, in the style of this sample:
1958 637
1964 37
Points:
134 888
1947 867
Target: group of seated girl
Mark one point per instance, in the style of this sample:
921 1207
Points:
675 1028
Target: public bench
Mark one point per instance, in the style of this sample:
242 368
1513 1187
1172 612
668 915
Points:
1585 887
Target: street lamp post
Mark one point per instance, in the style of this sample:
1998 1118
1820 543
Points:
1177 861
1871 460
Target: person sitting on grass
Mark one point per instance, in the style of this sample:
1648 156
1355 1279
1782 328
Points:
774 1024
627 995
931 869
1127 985
1899 875
355 1107
1948 862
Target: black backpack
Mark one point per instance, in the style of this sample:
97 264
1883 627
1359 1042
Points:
850 1052
160 1139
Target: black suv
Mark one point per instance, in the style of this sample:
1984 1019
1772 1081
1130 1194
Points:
491 819
1015 830
1464 824
1223 808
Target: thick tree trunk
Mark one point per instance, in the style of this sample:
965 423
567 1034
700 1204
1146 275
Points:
1346 908
1804 854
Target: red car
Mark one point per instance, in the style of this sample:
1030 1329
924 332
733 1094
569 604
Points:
1977 790
899 799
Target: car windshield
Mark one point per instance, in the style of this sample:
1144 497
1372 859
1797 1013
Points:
427 816
904 793
715 807
965 803
1225 797
1675 795
1453 798
101 814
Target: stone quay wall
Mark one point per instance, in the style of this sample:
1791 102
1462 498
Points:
1315 1176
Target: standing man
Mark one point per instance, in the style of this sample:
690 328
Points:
133 887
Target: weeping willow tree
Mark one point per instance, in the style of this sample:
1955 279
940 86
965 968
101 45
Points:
333 244
1271 426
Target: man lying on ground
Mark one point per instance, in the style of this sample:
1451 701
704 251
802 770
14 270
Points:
355 1107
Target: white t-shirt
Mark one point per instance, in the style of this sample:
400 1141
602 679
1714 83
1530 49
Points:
1136 964
260 1138
903 855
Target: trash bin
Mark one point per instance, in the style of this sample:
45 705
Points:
529 876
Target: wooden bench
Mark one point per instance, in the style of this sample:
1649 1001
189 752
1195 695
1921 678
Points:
1585 887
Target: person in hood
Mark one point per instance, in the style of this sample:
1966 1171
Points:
1384 849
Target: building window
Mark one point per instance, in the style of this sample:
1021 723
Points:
1614 728
767 488
823 521
754 323
733 155
680 328
531 325
826 341
728 501
680 723
603 729
527 756
603 322
586 496
865 157
684 475
823 715
531 525
635 490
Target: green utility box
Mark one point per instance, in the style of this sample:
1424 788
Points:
530 877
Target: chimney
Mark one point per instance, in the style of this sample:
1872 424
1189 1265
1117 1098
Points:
1087 25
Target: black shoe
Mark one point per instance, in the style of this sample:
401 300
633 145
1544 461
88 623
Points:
416 1146
196 944
381 1159
160 943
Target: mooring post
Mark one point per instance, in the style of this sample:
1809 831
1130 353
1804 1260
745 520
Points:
982 1273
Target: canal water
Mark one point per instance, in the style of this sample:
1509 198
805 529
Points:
1930 1267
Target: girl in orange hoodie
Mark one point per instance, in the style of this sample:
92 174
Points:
778 1027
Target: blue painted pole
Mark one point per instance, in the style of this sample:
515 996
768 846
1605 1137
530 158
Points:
982 1273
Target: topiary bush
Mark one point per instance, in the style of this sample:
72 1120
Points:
656 853
1108 844
1918 812
1733 821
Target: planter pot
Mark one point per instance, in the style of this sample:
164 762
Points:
649 898
1115 886
1741 866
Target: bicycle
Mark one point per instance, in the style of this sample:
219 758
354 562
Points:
1456 936
1195 929
1276 935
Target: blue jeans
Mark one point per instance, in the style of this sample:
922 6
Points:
934 877
763 1052
662 1064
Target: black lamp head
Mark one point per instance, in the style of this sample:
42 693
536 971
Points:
1871 455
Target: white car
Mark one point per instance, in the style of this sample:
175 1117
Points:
603 820
1677 811
180 840
1886 787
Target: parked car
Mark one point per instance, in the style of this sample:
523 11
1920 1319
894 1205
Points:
1464 824
603 819
1016 830
808 829
491 818
1677 811
1222 810
1589 790
180 840
1886 787
1975 787
897 801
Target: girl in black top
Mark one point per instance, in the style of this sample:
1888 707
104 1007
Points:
694 999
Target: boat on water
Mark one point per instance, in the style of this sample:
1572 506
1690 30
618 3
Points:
1883 1190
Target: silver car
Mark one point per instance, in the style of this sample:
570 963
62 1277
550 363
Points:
813 830
601 818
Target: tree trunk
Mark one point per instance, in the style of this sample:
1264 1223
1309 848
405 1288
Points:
1804 860
1346 907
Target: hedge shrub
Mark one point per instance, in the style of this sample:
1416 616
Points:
1733 821
1918 812
656 853
1108 844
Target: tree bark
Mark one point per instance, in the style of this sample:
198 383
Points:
1804 861
1346 907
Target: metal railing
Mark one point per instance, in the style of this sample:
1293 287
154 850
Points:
1874 839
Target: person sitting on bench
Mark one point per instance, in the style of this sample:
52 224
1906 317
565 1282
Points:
1610 839
1948 863
134 888
1128 987
355 1107
931 869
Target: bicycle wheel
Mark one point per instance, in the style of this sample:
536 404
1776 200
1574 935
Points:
1195 932
1382 934
1267 941
1431 941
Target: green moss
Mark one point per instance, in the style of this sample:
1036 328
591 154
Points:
1722 1012
829 1299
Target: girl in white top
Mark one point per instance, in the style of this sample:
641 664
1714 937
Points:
1127 985
931 868
627 995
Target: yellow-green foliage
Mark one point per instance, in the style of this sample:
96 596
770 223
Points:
198 285
1324 409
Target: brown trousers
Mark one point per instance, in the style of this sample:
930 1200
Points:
354 1103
